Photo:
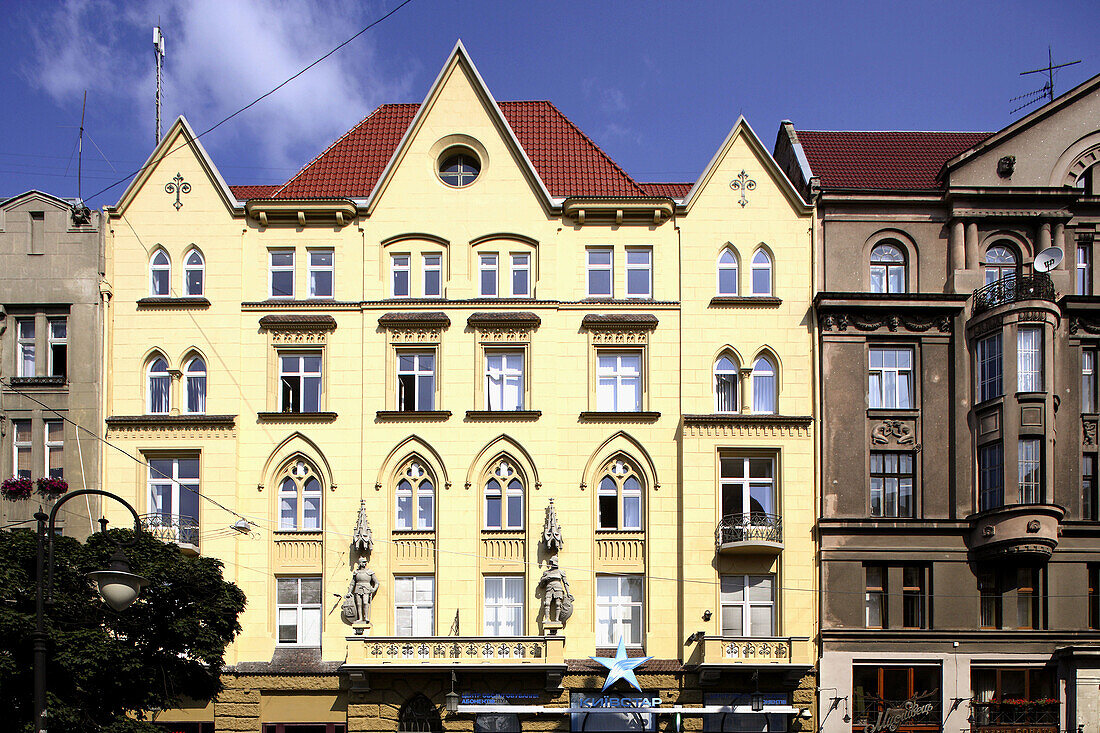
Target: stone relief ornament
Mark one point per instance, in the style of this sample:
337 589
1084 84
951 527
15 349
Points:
1088 428
557 601
551 530
362 540
364 585
895 430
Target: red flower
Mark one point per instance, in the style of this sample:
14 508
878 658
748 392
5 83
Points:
52 486
16 488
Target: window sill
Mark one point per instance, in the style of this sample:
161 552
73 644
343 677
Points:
37 381
286 535
296 416
754 301
163 420
414 533
413 415
506 533
633 534
604 416
881 412
503 415
187 301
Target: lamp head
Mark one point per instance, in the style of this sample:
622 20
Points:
117 585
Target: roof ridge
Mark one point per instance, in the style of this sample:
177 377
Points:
337 141
930 132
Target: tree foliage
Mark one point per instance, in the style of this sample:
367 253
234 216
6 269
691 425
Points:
106 669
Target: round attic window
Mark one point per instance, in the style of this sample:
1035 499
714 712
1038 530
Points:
459 167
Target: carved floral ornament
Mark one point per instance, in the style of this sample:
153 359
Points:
842 321
743 183
1088 432
1088 325
623 336
177 186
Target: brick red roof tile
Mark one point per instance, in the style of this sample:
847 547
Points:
256 191
568 162
883 160
672 190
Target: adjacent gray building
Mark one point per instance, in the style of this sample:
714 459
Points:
51 352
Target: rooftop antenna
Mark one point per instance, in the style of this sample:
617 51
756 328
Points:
158 51
80 213
1047 90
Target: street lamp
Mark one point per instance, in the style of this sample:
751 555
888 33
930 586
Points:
117 586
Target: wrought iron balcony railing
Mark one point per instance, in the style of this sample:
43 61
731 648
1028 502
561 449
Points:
182 530
1011 289
751 527
1017 712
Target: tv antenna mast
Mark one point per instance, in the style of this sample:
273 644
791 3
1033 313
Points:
158 52
1047 90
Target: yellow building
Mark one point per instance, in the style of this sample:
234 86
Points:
466 326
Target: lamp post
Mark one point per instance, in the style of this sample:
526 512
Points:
118 587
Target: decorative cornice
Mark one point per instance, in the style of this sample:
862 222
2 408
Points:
619 322
413 415
616 416
862 320
503 415
745 301
36 381
422 319
298 322
503 319
296 416
741 425
183 302
211 426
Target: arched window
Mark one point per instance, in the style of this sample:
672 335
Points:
415 498
619 497
887 269
763 386
300 498
160 274
504 498
159 390
761 273
195 373
727 272
194 273
418 715
726 377
1000 263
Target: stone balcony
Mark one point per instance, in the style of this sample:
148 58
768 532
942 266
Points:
1018 532
490 652
756 532
712 654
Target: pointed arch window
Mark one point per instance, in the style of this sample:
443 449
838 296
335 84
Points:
887 269
415 495
195 375
300 498
194 274
158 397
727 272
160 274
619 497
761 273
763 386
1000 263
726 377
504 498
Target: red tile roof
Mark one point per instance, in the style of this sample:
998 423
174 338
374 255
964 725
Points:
568 162
883 160
672 190
258 191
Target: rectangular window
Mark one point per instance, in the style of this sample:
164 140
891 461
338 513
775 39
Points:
600 277
173 486
1084 269
414 605
38 232
874 599
1094 596
55 449
989 593
298 610
487 275
1014 698
747 486
300 380
1088 380
619 381
282 273
1028 594
504 605
748 605
892 484
890 377
914 597
1029 359
415 381
639 273
1031 470
26 344
59 347
1012 598
990 371
878 689
504 380
991 476
321 273
618 610
433 275
21 455
399 267
521 275
1090 500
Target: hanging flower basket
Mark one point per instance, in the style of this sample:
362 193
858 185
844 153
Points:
16 488
52 486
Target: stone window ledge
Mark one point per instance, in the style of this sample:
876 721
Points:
413 415
37 381
296 416
503 415
189 301
752 301
602 416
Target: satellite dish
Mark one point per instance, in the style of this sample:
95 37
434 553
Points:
1048 259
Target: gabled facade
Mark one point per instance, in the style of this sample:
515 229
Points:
466 326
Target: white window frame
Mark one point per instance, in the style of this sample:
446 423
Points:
745 483
731 266
504 379
166 376
591 268
887 374
272 269
746 603
430 267
177 488
53 447
55 340
488 263
616 487
1084 269
617 379
302 373
764 371
22 447
614 610
293 496
420 487
766 266
195 379
189 267
400 263
503 609
521 263
299 609
886 267
315 268
1029 457
505 486
417 625
1029 359
418 374
1088 379
158 265
646 267
27 356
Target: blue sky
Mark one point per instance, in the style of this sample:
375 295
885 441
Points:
656 84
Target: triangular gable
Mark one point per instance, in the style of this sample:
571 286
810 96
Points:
36 194
743 129
1048 109
180 128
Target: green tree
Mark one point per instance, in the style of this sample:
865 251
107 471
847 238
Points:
106 669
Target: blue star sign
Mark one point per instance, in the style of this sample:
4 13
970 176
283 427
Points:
621 667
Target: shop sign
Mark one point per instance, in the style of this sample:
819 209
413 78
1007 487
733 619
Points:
610 701
496 698
891 718
1017 728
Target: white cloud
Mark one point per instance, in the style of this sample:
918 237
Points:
220 55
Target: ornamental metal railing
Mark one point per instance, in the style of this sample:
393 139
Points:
450 649
1011 289
751 527
1016 712
181 529
869 711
